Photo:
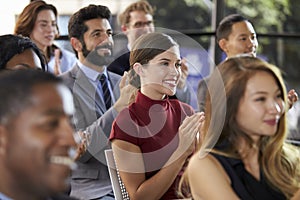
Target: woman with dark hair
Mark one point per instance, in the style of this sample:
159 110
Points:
19 52
38 21
243 154
153 138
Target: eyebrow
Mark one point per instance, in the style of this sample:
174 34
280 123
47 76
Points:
45 21
246 34
54 112
141 21
169 60
164 59
100 30
243 34
97 30
264 92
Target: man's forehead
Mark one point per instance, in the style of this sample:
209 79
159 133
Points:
242 29
139 15
67 99
96 23
45 94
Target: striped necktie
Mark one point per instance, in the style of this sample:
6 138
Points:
106 93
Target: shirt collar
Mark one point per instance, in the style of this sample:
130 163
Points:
90 73
148 103
4 197
128 47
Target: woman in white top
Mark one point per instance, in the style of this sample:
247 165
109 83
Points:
38 21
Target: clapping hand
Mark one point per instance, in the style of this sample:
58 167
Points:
292 97
57 70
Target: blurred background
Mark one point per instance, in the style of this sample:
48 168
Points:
276 23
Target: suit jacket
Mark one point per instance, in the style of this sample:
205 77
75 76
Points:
91 178
61 197
121 62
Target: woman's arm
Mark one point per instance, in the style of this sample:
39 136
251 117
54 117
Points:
208 180
130 163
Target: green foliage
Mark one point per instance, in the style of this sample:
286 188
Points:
265 14
180 15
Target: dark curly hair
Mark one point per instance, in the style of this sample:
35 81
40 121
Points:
12 45
27 18
77 27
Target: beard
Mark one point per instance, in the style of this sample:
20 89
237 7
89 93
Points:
97 59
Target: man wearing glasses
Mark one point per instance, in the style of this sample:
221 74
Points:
137 20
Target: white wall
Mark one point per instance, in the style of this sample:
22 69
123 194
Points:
10 8
8 11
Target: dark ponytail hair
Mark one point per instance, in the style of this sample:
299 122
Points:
144 49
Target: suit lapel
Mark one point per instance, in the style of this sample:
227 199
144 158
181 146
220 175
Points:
83 86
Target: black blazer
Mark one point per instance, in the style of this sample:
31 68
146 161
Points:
120 63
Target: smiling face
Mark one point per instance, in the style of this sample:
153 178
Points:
28 59
159 77
241 40
140 23
261 106
98 42
45 29
37 137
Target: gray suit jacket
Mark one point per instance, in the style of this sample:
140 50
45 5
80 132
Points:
91 179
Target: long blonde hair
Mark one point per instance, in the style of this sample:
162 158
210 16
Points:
279 160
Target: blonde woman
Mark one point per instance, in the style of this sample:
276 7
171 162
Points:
247 156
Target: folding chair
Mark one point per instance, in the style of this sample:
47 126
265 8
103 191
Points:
116 182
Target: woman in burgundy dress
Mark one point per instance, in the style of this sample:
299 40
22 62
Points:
153 138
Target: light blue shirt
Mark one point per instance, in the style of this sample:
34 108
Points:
67 61
4 197
93 75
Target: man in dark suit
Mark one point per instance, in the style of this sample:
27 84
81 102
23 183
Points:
137 20
96 103
36 137
236 36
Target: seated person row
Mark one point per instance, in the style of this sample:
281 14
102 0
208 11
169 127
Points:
91 37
